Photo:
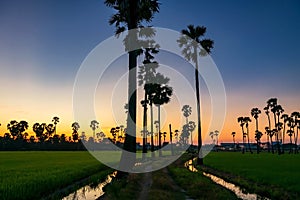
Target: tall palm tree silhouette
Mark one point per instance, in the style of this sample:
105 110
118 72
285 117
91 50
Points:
291 132
295 115
55 120
270 133
216 133
267 111
258 136
247 120
148 77
285 119
254 113
233 138
94 125
242 123
75 127
131 14
212 134
162 96
187 111
193 45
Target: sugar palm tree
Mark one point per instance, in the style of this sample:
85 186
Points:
176 135
258 136
162 96
192 43
55 120
255 112
187 111
150 79
75 127
212 134
271 133
247 120
242 123
233 138
39 129
130 14
266 109
278 111
272 104
295 115
285 119
191 126
94 125
216 133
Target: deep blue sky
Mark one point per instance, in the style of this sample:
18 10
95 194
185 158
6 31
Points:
254 38
257 45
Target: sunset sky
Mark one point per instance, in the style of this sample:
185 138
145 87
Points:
44 42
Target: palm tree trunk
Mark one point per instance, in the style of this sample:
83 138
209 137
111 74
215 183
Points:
170 128
290 144
159 134
152 141
197 84
269 120
272 144
256 123
283 137
145 127
233 143
296 138
249 140
243 151
128 156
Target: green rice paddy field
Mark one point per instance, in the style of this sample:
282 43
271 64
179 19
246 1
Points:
265 171
32 175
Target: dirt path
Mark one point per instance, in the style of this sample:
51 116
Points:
146 185
149 184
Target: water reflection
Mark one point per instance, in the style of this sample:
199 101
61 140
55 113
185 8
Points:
236 189
88 193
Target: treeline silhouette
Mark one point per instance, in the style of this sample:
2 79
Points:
280 126
47 138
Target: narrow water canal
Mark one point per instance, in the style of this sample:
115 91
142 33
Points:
88 193
239 192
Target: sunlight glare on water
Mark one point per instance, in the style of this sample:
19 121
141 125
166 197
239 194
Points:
88 193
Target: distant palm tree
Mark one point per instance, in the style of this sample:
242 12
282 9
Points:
83 137
269 127
39 131
13 128
192 43
242 123
162 96
176 135
131 14
258 136
50 129
212 134
285 119
216 133
94 125
191 127
271 133
290 134
187 111
75 127
254 113
114 134
247 120
233 138
55 120
295 115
